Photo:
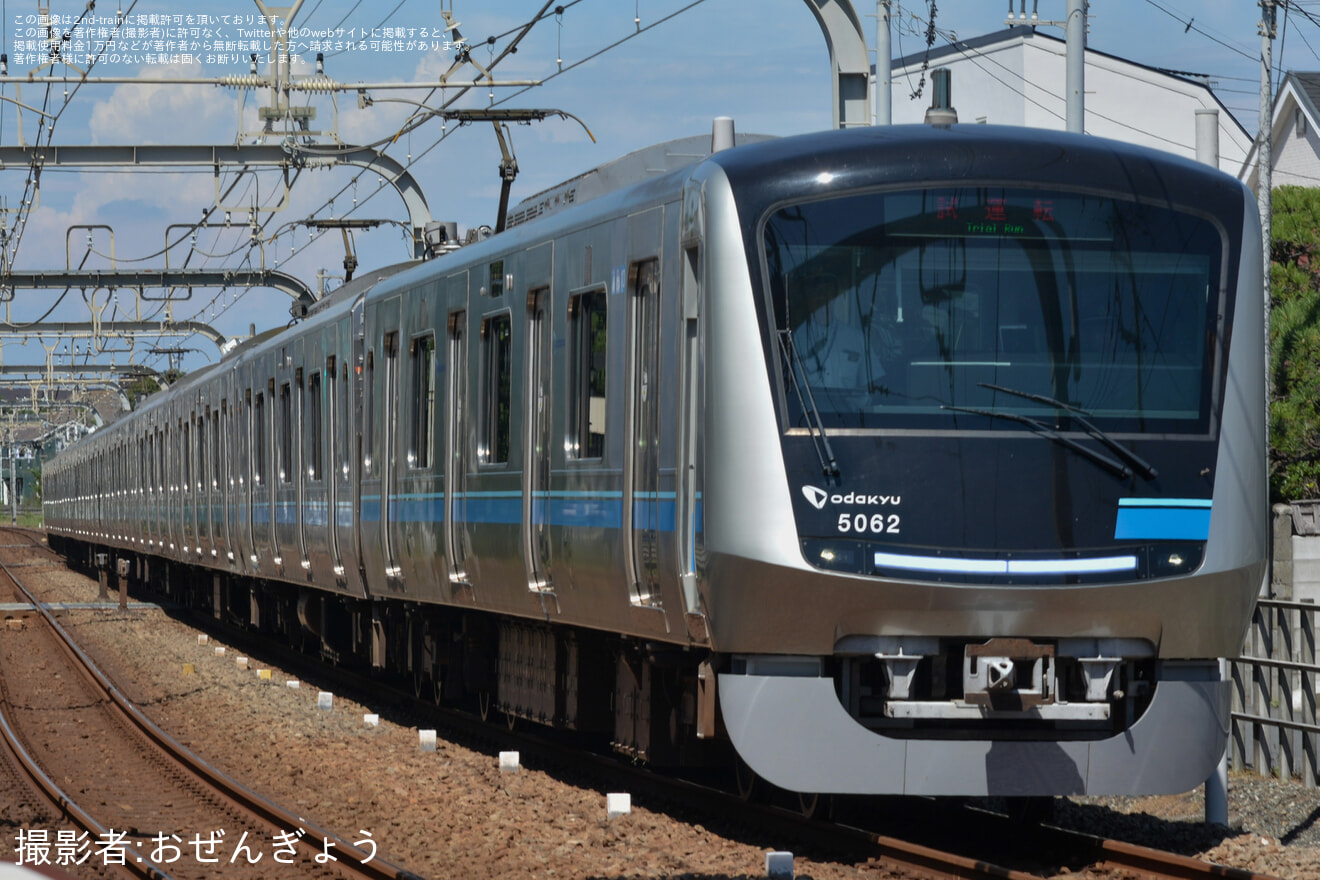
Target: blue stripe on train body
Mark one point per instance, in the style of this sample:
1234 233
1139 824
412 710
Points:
570 509
1163 519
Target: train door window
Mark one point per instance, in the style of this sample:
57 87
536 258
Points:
497 388
185 441
243 459
285 438
203 458
217 453
497 278
314 432
391 351
369 460
204 470
160 460
259 439
215 450
587 326
423 401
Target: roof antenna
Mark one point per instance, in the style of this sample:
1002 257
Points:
941 110
721 134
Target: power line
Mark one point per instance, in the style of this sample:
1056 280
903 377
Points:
1190 25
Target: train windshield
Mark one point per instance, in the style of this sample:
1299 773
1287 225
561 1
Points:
910 309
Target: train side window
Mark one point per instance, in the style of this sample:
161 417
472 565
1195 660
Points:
314 462
423 401
185 442
497 389
286 434
587 326
259 439
497 278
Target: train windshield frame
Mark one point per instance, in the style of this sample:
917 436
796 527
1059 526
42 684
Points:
951 307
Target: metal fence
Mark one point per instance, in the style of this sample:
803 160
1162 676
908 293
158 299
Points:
1273 728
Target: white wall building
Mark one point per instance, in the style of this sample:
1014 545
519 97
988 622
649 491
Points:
1016 77
1295 148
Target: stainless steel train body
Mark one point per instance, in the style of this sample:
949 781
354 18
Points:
909 460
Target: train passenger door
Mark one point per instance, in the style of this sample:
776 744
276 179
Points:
379 487
686 503
348 523
389 502
224 494
456 431
641 518
187 437
247 482
306 451
333 478
536 445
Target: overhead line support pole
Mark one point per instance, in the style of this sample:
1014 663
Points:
884 53
1076 79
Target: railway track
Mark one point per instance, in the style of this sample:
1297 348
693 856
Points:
987 845
136 799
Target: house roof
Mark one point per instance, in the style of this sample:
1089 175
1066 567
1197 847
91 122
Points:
1301 90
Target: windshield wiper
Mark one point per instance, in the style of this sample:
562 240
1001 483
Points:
827 463
1115 466
1143 467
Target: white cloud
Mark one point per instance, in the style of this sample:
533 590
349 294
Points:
158 113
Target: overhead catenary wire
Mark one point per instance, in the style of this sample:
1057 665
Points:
444 135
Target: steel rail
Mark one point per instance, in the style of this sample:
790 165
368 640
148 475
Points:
1101 852
70 808
375 868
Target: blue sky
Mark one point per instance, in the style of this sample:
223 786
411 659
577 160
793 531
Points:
763 63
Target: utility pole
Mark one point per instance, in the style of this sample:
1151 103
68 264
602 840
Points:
884 87
1076 83
1074 26
1264 166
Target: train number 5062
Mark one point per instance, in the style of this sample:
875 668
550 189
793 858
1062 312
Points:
876 523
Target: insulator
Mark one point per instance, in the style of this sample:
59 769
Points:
242 81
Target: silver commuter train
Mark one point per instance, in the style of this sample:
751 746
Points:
907 460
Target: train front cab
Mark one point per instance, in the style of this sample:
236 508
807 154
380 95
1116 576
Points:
1003 557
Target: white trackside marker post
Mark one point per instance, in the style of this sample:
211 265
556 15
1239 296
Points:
618 804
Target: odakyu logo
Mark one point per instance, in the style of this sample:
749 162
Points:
817 497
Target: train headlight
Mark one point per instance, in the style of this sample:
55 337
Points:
833 555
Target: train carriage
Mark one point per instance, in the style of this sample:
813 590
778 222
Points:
923 460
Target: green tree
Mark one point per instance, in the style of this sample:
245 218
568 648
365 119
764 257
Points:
1295 344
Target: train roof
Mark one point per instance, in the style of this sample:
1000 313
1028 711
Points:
876 156
637 166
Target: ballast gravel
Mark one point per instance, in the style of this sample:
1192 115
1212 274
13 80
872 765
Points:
452 813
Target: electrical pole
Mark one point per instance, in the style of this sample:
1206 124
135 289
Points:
1074 27
1076 82
1264 165
884 90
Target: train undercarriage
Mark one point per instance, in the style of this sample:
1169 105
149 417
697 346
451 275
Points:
651 702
